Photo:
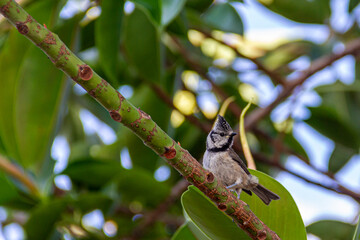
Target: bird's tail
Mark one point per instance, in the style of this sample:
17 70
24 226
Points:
265 194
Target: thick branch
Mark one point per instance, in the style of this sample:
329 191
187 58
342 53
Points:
136 120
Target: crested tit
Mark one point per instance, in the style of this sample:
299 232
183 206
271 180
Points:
227 166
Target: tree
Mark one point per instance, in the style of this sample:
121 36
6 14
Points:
169 54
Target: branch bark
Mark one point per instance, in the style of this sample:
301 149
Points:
135 119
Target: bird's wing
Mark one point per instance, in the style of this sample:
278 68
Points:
237 159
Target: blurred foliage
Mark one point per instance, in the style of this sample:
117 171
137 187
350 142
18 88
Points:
331 230
176 46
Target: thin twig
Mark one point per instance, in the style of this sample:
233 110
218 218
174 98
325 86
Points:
18 174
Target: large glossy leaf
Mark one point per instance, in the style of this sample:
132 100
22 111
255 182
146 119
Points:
41 223
301 10
107 36
285 209
331 230
31 94
207 218
184 233
282 216
224 17
142 44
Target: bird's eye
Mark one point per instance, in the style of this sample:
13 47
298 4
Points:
222 134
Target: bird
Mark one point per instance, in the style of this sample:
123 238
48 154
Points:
220 159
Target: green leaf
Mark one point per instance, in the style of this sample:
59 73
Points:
212 222
87 202
199 234
344 100
162 11
143 46
327 122
140 185
331 230
107 37
352 5
153 7
184 233
340 156
281 216
224 17
357 230
92 173
292 142
31 94
170 9
7 189
42 220
301 10
199 5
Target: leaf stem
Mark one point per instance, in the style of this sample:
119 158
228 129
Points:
18 174
244 142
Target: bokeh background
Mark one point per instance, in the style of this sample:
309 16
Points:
174 72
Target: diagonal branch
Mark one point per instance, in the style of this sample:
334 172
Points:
121 110
352 48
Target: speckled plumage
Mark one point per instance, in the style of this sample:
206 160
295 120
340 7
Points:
226 165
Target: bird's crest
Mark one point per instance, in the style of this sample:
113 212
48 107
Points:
222 124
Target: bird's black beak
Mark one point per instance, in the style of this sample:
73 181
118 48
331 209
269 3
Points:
233 134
